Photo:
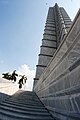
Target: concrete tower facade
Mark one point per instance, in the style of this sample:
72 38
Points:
57 80
57 25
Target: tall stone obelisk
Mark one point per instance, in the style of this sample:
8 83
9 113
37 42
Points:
57 26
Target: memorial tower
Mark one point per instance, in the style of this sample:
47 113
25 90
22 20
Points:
57 25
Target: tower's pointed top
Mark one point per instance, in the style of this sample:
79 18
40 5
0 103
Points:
56 4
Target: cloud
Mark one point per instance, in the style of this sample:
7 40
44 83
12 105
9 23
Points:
25 70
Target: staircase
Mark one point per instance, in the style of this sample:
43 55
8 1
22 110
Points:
23 105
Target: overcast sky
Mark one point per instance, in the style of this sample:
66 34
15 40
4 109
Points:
21 30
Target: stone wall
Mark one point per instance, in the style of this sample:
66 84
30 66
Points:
59 85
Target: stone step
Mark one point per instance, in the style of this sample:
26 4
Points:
25 105
25 102
26 99
23 108
24 93
20 96
23 112
23 97
8 115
